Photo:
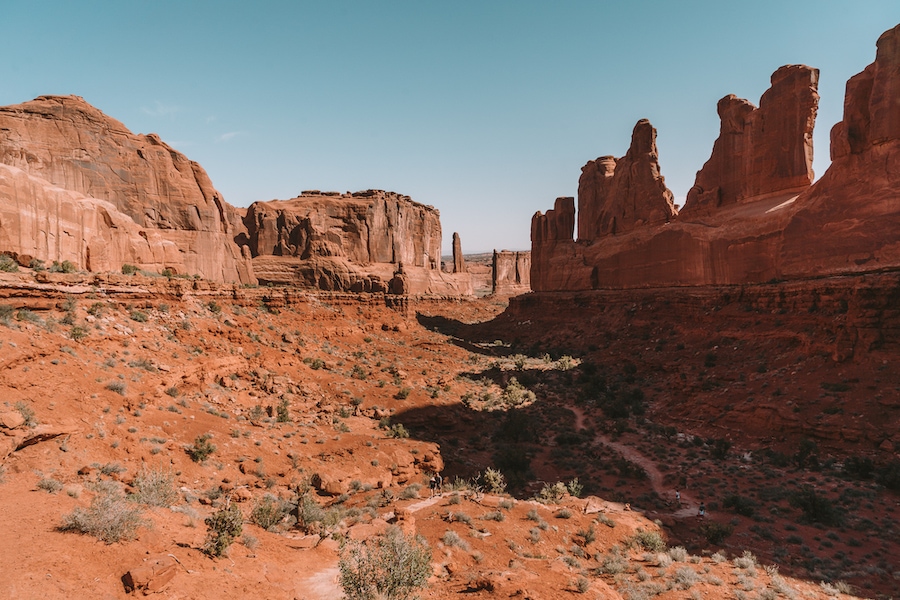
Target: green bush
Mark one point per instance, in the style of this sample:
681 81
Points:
223 527
129 269
652 541
268 511
493 481
62 267
201 449
816 509
391 567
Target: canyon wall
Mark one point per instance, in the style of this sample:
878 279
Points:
752 215
364 241
511 273
71 145
78 186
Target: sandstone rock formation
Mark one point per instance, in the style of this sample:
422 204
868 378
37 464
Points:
761 150
68 143
459 263
753 216
354 242
615 196
511 273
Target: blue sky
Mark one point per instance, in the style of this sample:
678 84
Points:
485 110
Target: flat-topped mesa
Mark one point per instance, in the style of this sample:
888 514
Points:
350 242
618 195
510 273
69 144
762 151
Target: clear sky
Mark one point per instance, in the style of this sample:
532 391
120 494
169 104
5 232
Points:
486 110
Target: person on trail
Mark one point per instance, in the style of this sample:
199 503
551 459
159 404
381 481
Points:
677 498
702 511
437 482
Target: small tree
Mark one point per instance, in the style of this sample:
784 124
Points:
391 567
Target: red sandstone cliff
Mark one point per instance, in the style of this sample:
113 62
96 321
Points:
618 195
511 273
71 145
355 242
761 150
752 217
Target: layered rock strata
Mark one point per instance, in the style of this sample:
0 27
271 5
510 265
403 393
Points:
71 145
364 241
618 195
753 217
511 273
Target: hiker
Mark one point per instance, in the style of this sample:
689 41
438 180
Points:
437 482
702 512
677 498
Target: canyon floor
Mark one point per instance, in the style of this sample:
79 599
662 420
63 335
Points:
331 412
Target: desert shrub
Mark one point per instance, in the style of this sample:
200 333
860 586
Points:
575 488
678 554
37 264
816 508
6 314
685 577
494 515
27 413
493 481
582 585
202 448
398 431
451 538
552 493
7 264
118 387
283 411
78 332
564 513
589 535
402 393
390 567
155 487
516 394
138 315
62 267
129 269
223 527
49 484
720 449
109 518
740 504
716 533
745 561
652 541
309 514
268 511
889 475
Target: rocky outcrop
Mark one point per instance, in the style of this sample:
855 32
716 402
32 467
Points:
350 242
45 222
760 151
753 215
459 262
71 145
618 195
511 273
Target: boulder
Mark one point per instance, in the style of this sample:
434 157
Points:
151 576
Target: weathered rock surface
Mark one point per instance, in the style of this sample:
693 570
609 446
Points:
753 217
511 273
618 195
72 145
761 150
353 242
459 263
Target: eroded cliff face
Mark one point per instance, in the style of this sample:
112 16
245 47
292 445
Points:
71 145
618 195
753 215
511 273
761 150
365 241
